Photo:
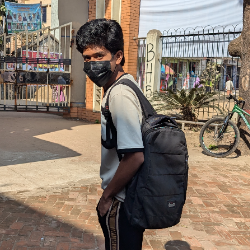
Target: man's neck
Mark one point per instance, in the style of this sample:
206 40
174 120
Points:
117 74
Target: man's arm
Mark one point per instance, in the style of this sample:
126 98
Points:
128 167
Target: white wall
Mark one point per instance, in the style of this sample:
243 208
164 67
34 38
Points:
173 14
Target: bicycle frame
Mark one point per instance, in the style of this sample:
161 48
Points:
242 114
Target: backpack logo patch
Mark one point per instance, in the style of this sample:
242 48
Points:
171 204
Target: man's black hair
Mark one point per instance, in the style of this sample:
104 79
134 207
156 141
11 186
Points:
102 33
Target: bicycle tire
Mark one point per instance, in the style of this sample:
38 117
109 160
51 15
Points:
231 149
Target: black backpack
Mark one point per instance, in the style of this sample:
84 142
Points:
156 195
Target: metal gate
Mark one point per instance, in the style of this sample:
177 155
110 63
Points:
36 70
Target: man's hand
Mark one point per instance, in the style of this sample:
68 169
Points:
104 205
128 167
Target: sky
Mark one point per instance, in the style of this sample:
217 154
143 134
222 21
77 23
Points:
167 15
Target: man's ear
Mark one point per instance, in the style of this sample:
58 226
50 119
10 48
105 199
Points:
119 56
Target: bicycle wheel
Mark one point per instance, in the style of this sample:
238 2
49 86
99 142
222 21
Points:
217 143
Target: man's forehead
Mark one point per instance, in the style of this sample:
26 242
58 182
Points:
95 49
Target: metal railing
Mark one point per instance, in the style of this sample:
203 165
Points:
38 50
199 42
34 97
35 69
185 58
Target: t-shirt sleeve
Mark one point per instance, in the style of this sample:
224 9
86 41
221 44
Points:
126 118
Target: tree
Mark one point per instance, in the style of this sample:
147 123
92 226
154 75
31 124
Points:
210 76
240 47
3 12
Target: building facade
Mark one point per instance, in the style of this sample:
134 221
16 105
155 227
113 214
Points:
85 95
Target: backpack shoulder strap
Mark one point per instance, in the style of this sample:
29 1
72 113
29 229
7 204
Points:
110 127
146 107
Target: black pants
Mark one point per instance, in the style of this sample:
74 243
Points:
118 233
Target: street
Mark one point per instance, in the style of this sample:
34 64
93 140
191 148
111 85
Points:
50 187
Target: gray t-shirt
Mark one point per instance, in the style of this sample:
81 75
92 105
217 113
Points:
126 114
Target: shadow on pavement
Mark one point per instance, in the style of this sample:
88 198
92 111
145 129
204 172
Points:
19 144
58 221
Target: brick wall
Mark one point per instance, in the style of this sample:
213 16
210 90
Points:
92 9
130 25
130 14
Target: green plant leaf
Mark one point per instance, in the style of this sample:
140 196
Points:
188 102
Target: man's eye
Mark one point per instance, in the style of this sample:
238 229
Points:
86 58
99 56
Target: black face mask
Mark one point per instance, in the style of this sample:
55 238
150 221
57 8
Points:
98 71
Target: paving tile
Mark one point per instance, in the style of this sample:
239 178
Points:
63 246
215 216
6 245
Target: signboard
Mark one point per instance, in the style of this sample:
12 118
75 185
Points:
21 17
42 67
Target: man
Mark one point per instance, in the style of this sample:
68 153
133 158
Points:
38 16
24 18
30 17
9 16
101 43
229 86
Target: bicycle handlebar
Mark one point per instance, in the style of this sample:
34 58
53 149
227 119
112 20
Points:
232 97
237 101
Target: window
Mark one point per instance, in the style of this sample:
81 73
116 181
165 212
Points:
44 9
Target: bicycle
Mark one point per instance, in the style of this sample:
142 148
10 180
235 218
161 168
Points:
219 137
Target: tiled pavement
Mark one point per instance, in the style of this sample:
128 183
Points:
216 216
